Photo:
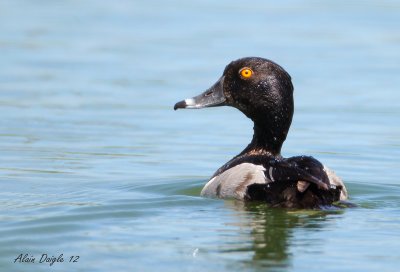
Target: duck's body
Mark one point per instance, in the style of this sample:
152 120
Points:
263 91
278 181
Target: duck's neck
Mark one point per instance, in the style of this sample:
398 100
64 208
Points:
269 134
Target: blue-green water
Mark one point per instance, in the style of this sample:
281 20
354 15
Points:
95 163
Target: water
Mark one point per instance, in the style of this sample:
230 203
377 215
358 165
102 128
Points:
96 164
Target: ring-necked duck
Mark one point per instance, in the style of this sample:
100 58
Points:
263 91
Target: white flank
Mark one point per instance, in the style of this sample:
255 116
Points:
233 182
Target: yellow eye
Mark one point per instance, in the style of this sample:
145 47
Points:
246 72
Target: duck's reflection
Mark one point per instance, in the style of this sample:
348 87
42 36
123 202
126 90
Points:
271 230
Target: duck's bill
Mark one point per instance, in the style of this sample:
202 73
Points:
212 97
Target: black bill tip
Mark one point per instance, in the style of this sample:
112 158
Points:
180 105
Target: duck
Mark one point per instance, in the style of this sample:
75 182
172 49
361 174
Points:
263 91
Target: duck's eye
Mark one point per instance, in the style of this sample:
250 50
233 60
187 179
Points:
246 72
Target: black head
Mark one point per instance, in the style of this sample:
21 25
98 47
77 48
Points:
259 88
256 86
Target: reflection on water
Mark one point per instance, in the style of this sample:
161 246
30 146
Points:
272 231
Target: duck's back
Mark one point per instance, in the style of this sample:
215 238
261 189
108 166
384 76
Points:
297 182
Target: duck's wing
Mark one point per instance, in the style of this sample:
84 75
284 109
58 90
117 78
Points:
298 182
317 169
305 169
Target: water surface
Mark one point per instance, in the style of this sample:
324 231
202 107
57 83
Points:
95 163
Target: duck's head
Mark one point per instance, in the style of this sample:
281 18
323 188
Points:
259 88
